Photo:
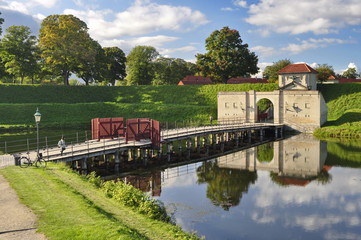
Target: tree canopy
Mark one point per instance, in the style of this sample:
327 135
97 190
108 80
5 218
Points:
1 22
19 52
65 43
140 67
226 56
324 72
171 70
115 64
270 72
350 73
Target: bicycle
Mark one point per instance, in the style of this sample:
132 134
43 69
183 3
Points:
25 161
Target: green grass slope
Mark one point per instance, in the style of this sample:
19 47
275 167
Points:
74 106
344 111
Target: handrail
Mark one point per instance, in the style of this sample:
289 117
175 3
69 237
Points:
52 152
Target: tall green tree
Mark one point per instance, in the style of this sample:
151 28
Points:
171 70
115 65
65 43
324 72
270 72
350 73
226 56
91 69
140 65
19 52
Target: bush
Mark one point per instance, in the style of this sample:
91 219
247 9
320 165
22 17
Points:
134 198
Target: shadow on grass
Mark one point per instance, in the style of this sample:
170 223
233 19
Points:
348 118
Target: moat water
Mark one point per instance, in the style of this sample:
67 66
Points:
297 188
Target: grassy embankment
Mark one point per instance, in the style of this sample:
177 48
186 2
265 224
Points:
69 207
344 111
75 106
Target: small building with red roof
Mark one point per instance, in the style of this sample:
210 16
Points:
299 76
195 80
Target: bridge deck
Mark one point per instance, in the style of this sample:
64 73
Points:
94 148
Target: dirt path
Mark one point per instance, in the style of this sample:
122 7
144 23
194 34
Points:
16 220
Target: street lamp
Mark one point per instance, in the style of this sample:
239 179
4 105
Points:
37 116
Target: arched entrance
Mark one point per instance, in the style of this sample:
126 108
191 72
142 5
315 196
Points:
265 111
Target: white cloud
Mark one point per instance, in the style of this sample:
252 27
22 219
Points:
352 65
127 44
312 43
227 9
241 3
181 49
142 17
296 17
263 51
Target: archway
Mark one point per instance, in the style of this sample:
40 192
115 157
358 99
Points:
265 111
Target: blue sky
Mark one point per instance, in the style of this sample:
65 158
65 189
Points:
311 31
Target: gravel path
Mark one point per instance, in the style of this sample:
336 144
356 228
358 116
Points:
16 220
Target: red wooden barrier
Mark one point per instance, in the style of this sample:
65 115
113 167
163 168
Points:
107 128
143 129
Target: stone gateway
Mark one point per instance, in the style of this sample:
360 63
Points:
297 103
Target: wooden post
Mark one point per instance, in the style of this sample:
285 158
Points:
84 166
116 162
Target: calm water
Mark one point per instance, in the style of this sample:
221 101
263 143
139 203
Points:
298 188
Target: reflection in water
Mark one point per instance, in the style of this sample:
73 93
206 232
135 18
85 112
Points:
291 196
225 186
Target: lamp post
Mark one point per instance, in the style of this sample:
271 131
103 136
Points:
37 116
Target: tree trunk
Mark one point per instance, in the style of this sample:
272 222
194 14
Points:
66 77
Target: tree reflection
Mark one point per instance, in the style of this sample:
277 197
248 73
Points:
265 152
225 185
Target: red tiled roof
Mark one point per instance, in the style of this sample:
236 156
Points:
297 68
195 80
332 77
246 80
348 80
294 181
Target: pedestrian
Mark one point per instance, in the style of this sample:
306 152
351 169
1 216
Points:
61 145
210 119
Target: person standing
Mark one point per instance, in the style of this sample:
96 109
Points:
210 119
61 145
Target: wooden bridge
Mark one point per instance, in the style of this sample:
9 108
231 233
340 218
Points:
120 149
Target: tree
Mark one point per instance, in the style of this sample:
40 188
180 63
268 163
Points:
140 68
91 70
1 22
171 70
19 52
324 72
65 43
226 56
270 72
350 73
115 64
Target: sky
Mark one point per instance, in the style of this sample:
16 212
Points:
310 31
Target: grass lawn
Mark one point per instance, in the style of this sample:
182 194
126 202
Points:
69 207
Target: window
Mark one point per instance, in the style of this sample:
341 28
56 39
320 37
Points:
226 105
235 105
307 105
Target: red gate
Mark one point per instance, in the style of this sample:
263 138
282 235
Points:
107 128
143 129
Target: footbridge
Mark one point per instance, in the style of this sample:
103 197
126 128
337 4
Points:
189 139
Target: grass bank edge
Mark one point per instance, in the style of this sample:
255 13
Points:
29 183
